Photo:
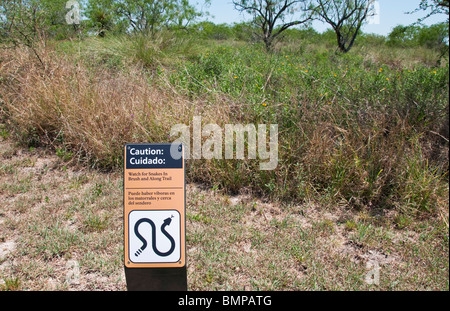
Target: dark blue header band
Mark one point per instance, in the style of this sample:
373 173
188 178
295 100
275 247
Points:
153 156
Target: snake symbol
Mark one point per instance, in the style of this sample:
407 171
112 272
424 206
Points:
144 241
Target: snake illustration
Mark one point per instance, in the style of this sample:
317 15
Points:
144 241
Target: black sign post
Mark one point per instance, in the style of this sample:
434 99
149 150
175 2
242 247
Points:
154 202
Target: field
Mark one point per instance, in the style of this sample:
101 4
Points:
361 181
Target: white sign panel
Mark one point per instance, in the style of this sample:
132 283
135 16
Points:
154 236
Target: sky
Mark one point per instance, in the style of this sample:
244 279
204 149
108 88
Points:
391 14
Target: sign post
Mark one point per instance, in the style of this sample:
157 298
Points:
154 217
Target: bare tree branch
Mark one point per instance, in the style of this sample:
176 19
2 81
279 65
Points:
270 15
346 17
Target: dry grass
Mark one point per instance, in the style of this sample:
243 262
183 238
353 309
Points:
360 183
358 145
61 229
93 112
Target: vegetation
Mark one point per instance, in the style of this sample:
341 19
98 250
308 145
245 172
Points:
365 131
63 226
352 127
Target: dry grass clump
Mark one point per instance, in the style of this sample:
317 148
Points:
93 112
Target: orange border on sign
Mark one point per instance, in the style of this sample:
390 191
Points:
176 185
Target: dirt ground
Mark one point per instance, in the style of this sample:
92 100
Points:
61 229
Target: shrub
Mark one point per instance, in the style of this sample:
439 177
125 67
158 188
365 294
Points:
351 129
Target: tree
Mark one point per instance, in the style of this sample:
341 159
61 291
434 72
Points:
436 35
103 18
435 7
346 17
21 17
26 21
271 16
22 22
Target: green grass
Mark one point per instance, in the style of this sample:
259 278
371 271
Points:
346 122
361 127
362 174
73 214
275 248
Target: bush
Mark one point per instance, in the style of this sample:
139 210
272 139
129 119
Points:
89 113
351 129
432 37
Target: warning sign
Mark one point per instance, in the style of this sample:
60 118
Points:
154 206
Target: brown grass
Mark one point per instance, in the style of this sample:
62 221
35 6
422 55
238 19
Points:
352 150
93 112
334 156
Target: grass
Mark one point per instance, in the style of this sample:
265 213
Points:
275 247
362 135
73 217
346 122
63 215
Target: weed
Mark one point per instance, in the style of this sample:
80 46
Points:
64 154
11 284
95 223
350 225
4 133
97 190
354 128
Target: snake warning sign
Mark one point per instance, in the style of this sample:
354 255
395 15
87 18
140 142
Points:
154 206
